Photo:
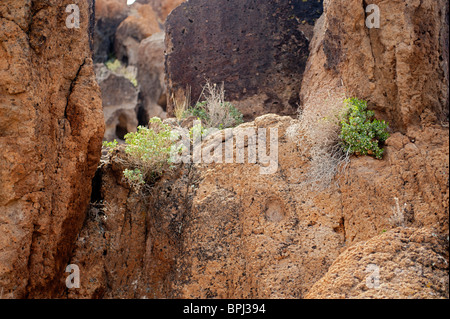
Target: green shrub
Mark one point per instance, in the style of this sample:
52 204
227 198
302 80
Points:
198 111
116 66
110 145
197 132
361 133
134 177
149 152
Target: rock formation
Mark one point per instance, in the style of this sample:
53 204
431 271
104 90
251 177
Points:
223 230
226 231
151 77
162 7
120 102
131 35
108 16
401 68
257 49
403 263
139 25
51 127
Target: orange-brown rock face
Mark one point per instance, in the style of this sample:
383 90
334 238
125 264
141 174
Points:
401 68
226 231
51 127
403 263
139 25
163 7
380 230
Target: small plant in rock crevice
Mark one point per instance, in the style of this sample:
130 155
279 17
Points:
149 153
116 66
361 133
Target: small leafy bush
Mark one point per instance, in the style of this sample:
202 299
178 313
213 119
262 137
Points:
110 145
134 177
116 66
361 133
198 111
149 151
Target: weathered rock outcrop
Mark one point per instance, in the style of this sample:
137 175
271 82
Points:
129 244
401 68
162 7
151 77
120 103
108 16
226 231
51 127
403 263
380 230
257 49
141 56
139 25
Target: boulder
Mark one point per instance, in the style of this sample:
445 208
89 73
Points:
258 50
400 68
120 101
404 263
151 77
108 16
140 24
51 129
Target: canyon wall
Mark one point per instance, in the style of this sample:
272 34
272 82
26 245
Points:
400 67
226 231
379 230
51 128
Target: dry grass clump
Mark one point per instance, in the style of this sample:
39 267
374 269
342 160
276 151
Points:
182 105
215 106
398 218
211 108
319 139
214 111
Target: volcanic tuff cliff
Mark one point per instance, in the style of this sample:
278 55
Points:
225 230
51 129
